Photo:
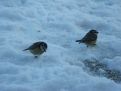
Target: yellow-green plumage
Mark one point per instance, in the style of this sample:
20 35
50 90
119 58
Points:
90 38
37 48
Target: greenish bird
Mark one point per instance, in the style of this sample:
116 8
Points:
37 48
90 38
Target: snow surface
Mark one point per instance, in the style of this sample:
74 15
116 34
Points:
59 23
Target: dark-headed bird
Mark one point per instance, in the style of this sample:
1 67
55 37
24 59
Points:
90 38
37 48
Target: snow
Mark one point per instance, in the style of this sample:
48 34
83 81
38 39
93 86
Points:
59 23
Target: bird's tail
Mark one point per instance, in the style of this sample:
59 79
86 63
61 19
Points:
80 41
25 49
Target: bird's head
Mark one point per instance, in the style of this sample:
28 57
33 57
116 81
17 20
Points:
44 46
93 31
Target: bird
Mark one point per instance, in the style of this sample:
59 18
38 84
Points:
90 38
37 48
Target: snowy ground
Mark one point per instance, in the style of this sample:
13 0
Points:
59 23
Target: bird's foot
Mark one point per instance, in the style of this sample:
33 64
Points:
35 56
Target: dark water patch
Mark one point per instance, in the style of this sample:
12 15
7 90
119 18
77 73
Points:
100 69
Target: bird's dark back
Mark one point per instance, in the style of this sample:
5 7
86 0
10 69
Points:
35 45
89 37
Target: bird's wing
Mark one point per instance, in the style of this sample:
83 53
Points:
33 46
89 37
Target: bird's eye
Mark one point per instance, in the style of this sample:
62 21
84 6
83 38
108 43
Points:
42 45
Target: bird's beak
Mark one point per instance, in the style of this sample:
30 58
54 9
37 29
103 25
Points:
96 32
44 50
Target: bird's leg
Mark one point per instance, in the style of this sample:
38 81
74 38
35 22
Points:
36 56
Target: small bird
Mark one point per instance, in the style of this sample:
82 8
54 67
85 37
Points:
90 38
37 48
